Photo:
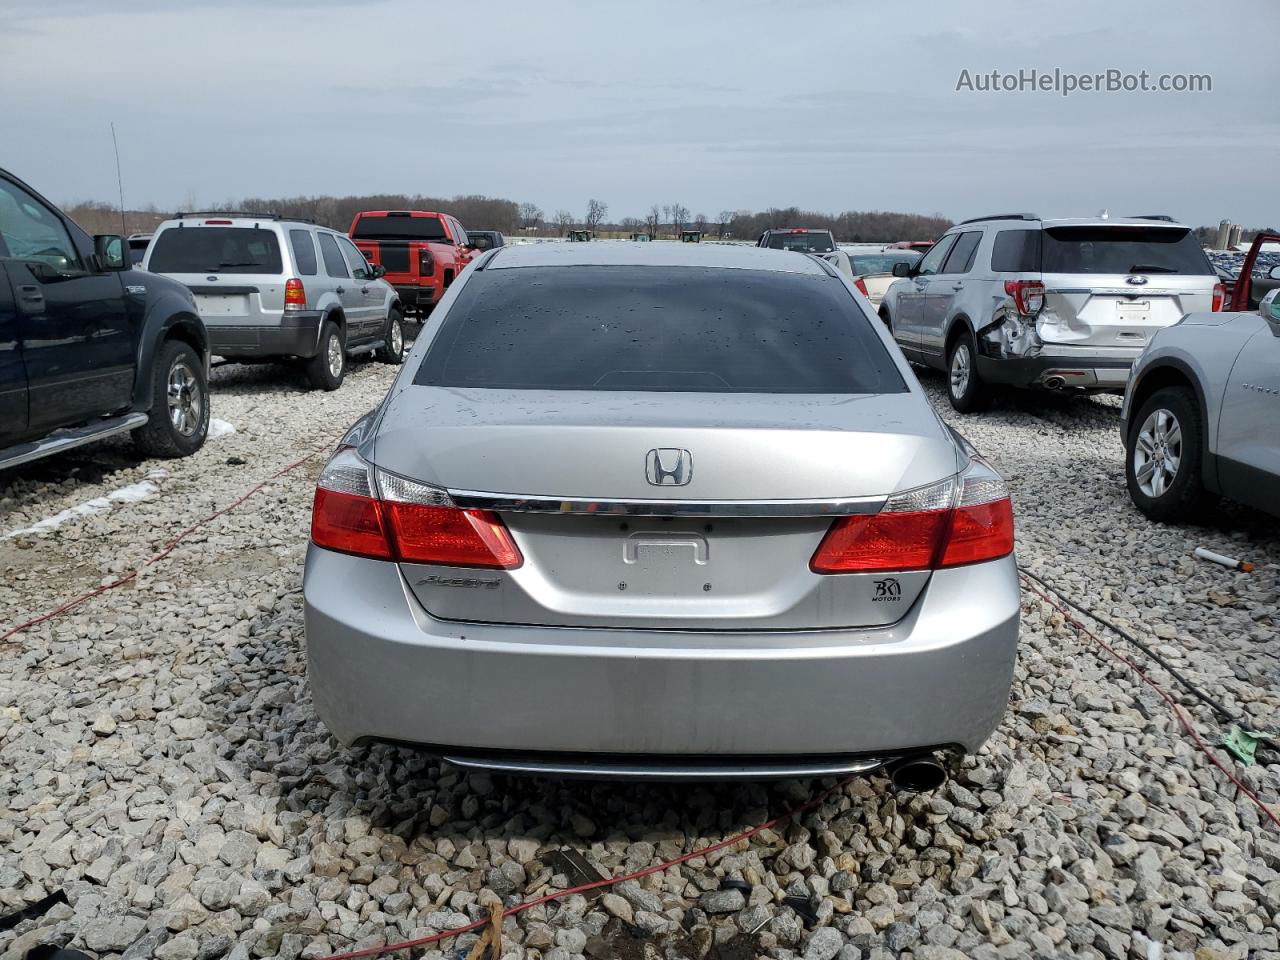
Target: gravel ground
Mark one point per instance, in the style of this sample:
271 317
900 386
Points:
160 761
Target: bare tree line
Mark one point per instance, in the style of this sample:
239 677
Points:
494 213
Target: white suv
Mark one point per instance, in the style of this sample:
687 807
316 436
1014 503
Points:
1061 304
268 288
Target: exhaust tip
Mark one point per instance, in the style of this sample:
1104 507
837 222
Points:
919 775
1055 383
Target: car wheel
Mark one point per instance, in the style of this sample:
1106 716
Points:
178 420
1164 453
328 367
886 319
392 349
965 388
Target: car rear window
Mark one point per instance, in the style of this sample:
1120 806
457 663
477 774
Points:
865 264
808 242
304 251
398 227
1016 251
664 329
1123 249
215 250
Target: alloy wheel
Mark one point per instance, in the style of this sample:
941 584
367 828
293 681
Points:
1157 453
186 403
334 355
960 370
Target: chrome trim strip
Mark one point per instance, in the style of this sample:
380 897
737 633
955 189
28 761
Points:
514 503
62 440
675 771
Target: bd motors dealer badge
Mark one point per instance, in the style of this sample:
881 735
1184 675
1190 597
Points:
888 590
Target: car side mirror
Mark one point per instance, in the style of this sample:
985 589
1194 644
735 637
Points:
377 271
1274 274
902 269
109 250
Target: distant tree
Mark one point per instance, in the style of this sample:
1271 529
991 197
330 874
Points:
666 214
651 222
722 223
700 222
630 225
563 221
530 215
596 212
679 216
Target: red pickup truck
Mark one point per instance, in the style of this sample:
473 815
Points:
421 251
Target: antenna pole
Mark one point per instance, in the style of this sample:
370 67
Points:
119 179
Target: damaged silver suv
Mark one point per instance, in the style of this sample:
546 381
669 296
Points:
1020 301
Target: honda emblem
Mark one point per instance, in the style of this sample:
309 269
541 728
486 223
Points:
668 467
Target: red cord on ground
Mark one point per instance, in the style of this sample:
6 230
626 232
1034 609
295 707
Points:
597 884
1070 617
155 558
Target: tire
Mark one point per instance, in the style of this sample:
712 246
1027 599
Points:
886 319
1164 456
178 420
965 389
327 369
392 349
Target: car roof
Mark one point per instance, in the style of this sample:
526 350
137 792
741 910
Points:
1030 222
668 254
214 220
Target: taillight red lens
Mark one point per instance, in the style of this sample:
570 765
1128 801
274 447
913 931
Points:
451 537
955 522
295 295
1028 296
885 541
426 263
411 523
349 523
980 533
862 287
1219 297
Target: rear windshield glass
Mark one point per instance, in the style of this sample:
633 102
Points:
398 228
215 250
682 329
882 262
1122 249
804 242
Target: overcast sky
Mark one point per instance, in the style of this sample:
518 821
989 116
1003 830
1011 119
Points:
823 104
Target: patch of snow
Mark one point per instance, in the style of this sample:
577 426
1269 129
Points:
220 428
134 492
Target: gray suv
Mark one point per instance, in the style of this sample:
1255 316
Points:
268 288
1022 301
1200 412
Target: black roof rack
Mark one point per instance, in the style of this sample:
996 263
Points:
1153 216
182 215
1002 216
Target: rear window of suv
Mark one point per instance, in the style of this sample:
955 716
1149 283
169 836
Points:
808 242
398 228
215 250
1122 249
681 329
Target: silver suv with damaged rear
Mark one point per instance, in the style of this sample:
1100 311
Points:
1017 300
269 289
666 510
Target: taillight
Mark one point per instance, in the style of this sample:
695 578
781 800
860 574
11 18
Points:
426 263
1028 296
1219 297
862 287
295 295
410 522
952 523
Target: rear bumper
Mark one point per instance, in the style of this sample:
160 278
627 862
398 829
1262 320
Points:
381 668
415 298
293 335
1089 371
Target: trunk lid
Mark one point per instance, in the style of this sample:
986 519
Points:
687 566
1109 311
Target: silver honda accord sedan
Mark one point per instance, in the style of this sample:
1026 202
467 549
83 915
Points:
666 510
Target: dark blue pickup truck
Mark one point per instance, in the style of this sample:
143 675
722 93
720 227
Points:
89 346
